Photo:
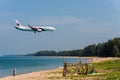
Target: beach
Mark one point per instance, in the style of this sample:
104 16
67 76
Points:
55 74
39 75
99 59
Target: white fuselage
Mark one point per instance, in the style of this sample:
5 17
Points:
39 29
33 28
23 28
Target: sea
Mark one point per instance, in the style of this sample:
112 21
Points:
26 64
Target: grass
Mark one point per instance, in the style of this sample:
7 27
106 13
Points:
108 65
110 70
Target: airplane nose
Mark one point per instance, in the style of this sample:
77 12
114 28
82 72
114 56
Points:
54 28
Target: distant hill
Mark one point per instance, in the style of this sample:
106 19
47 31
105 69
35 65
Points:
111 48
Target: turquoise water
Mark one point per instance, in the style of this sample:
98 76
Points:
25 64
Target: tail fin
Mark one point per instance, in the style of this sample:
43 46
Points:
17 23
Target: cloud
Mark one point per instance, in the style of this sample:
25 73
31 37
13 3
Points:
59 20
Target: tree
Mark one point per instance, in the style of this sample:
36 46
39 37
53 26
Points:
115 51
111 48
90 50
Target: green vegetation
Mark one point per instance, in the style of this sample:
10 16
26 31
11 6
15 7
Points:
111 69
107 70
111 48
108 65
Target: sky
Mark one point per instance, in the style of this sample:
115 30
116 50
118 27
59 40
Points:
78 24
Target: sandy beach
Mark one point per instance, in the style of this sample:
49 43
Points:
40 75
99 59
55 74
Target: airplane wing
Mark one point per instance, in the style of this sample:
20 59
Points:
42 29
34 29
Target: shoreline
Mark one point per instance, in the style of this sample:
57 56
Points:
32 75
46 74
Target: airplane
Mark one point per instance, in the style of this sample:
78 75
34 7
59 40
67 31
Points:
34 29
